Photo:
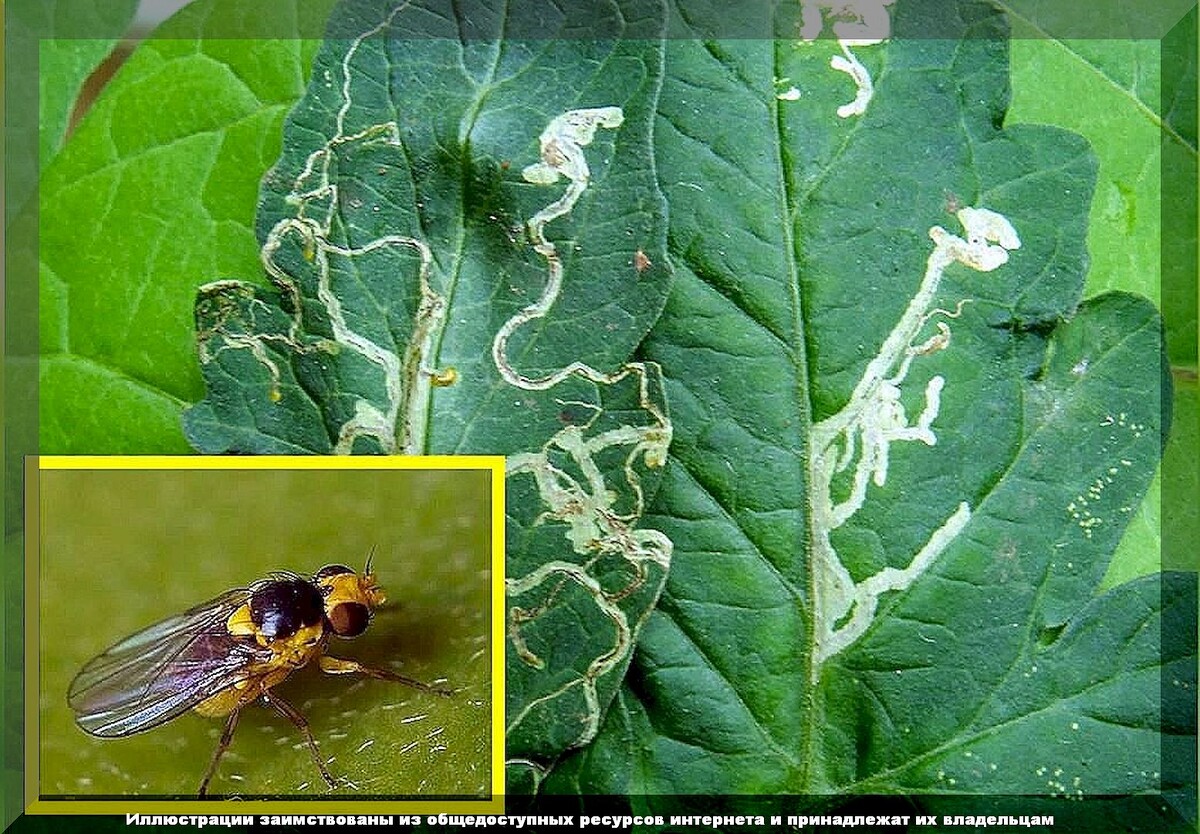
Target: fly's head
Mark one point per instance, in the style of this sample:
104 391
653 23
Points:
350 598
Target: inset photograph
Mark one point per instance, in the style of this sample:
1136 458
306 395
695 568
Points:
275 628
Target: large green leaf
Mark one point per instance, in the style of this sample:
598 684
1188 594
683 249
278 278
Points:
63 67
164 170
847 611
70 38
1135 102
464 262
1111 87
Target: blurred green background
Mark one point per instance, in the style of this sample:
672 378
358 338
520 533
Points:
122 549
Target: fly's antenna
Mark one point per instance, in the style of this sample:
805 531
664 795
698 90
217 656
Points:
370 557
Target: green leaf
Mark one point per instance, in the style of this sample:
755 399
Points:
847 611
1180 485
140 546
1181 299
63 66
1102 92
464 262
1103 20
1135 102
165 170
1151 622
72 38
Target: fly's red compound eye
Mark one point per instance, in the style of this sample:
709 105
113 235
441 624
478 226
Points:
349 619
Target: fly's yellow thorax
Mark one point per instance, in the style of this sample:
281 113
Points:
287 655
240 624
293 651
301 647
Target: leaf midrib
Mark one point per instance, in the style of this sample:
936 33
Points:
800 362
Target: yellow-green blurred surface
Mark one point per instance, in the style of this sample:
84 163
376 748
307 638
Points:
123 549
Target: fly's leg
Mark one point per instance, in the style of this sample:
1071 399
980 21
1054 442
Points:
339 666
222 746
292 714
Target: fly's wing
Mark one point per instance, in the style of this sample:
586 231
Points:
162 671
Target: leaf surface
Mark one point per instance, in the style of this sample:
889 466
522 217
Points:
855 606
1135 103
64 66
153 194
464 262
70 39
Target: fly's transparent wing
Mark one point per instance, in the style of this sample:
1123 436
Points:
162 671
